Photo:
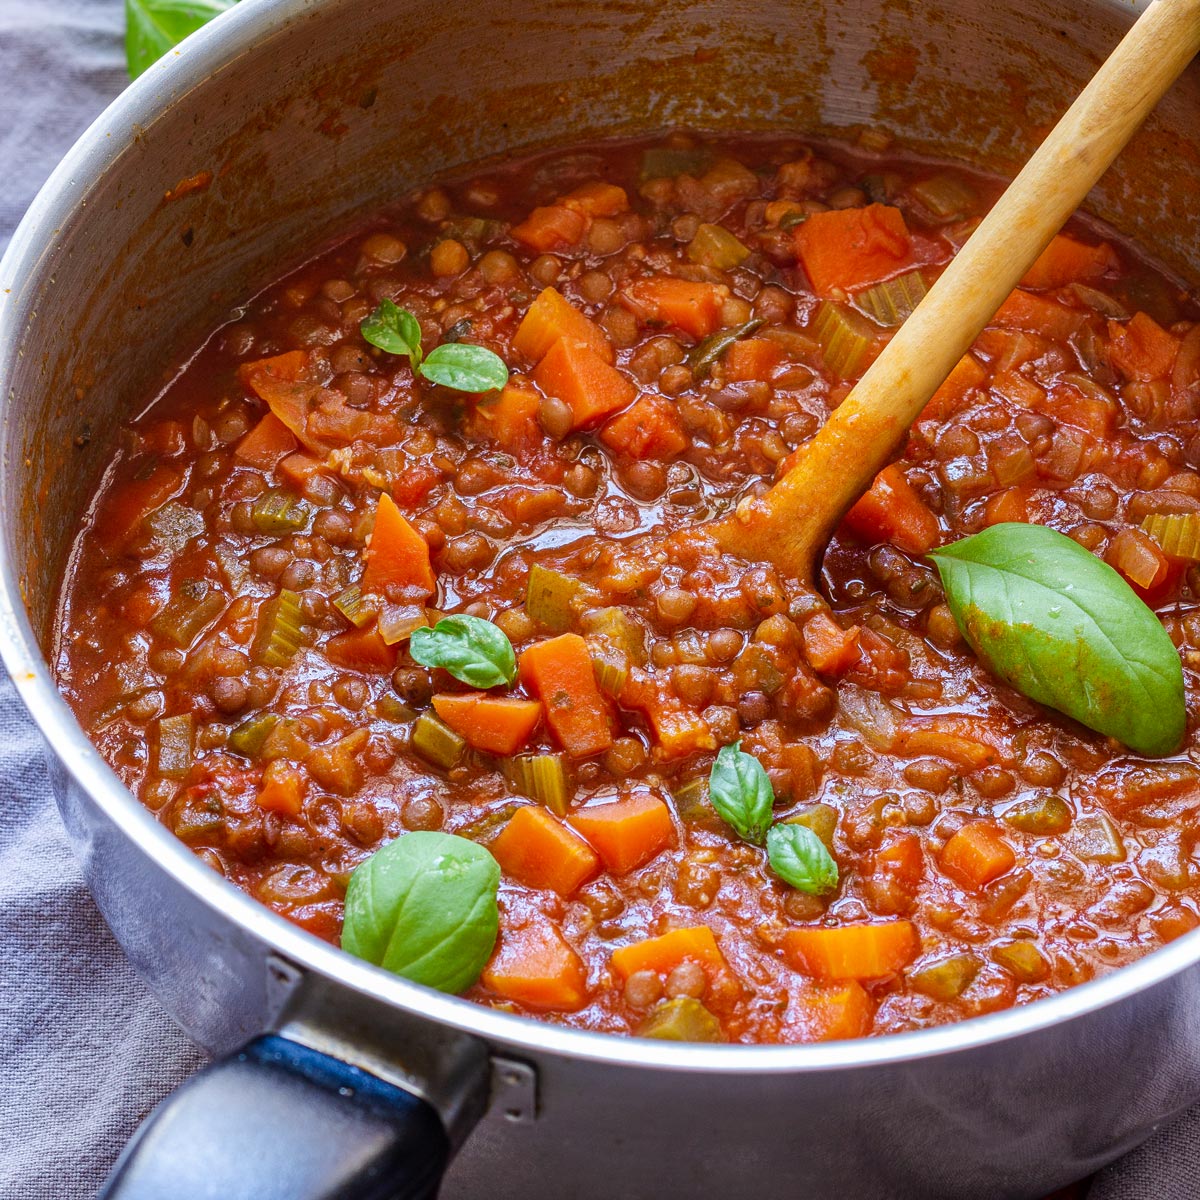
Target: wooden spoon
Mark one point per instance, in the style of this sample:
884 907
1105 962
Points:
792 523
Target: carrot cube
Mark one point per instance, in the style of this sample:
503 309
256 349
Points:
597 199
580 377
550 317
510 419
851 248
829 648
626 833
967 376
268 442
891 511
694 943
494 724
1066 261
693 308
863 951
1037 314
828 1012
283 789
535 967
397 555
362 650
550 227
752 359
541 852
1010 505
1142 349
977 854
560 673
649 428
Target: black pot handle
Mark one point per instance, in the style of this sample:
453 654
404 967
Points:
281 1121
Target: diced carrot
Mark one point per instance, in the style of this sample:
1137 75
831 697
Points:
362 650
559 672
851 248
862 951
1069 405
268 442
694 308
1038 314
541 852
1066 260
283 789
510 419
397 555
495 724
828 1012
693 943
590 387
299 468
678 730
597 199
829 648
550 228
751 359
281 382
131 502
534 966
1142 349
626 833
1012 504
893 512
967 376
649 428
977 854
550 317
1139 558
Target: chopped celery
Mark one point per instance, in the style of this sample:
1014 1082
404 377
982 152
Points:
484 828
845 336
285 739
1177 533
471 231
625 632
704 354
248 738
1041 816
693 805
947 979
541 777
822 819
1095 839
945 196
397 621
683 1019
1023 960
190 610
436 742
392 708
279 512
714 246
278 638
174 525
666 162
892 302
548 598
174 752
350 604
611 671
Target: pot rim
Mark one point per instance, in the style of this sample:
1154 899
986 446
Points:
28 258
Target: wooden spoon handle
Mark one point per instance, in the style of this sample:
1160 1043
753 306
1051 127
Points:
791 524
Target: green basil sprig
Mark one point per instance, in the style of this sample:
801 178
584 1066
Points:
458 365
152 27
424 906
741 793
473 650
800 858
1063 628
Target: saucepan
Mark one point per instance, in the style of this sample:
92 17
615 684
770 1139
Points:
278 126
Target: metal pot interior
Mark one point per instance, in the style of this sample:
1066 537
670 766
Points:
320 113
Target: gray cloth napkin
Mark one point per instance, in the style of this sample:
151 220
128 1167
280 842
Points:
85 1050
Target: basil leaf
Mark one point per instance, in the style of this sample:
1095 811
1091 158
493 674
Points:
1062 627
741 793
800 858
473 650
465 368
424 906
395 330
152 27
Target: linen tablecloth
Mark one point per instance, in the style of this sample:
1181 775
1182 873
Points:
85 1050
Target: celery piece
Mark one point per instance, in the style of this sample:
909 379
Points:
484 828
615 625
541 777
279 637
666 162
1042 816
173 758
472 232
350 604
548 598
393 709
1023 960
247 738
189 611
397 621
174 525
946 979
611 671
945 196
892 302
285 739
436 742
683 1019
705 353
1177 533
714 246
845 336
279 512
693 805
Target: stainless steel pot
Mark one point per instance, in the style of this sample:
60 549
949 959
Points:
308 114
